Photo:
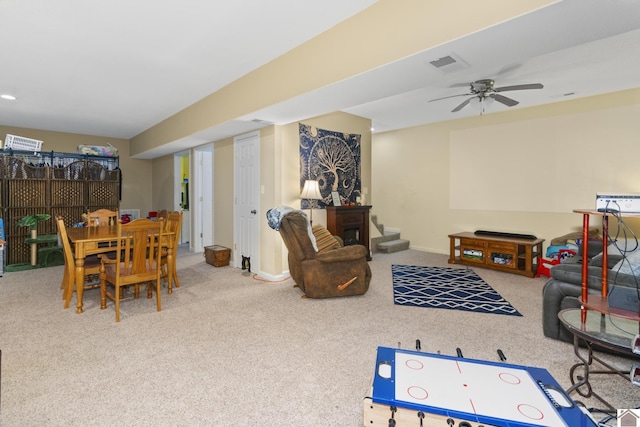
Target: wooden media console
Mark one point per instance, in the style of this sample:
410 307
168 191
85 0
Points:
509 254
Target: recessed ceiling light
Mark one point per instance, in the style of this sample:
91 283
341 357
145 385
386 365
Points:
7 96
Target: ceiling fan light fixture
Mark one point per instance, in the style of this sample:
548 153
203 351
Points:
482 103
484 90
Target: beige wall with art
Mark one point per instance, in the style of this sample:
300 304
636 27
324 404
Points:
337 122
279 181
136 174
280 176
417 193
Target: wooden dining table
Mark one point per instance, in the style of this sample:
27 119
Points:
98 240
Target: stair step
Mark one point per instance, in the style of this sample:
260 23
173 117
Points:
375 241
393 246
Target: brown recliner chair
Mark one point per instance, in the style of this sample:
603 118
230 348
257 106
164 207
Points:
343 271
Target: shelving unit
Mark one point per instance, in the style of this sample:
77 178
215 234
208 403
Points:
54 183
511 255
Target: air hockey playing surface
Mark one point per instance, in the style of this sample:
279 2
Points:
490 393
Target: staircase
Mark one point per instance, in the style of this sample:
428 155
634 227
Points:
389 242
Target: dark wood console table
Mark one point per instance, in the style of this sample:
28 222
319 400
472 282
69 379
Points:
351 223
511 255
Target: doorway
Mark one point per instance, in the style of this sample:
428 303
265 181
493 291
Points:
246 168
202 200
182 173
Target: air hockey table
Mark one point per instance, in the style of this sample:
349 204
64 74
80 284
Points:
413 388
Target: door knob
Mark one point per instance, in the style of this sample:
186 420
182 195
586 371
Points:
254 212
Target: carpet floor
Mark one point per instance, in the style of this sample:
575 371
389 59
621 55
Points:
228 349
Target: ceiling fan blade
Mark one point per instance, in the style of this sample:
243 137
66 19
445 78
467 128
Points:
452 96
461 106
466 84
519 87
508 69
504 100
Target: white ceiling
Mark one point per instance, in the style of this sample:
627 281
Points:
118 70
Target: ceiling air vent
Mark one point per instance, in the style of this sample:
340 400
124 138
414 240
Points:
449 63
442 62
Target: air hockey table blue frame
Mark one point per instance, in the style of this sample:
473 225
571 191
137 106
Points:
384 392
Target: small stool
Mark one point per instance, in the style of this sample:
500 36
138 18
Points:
544 265
50 256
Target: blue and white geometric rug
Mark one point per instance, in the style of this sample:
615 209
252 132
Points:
443 287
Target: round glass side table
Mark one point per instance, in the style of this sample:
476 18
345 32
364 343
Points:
605 331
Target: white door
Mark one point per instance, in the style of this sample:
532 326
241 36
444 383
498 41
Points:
246 150
202 206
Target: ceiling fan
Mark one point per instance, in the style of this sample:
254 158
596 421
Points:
483 89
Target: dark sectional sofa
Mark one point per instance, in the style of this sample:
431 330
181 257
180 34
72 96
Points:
564 287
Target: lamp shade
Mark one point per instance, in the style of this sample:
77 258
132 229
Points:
311 190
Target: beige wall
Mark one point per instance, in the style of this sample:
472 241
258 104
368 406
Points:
136 174
406 171
411 179
164 179
272 259
279 180
223 193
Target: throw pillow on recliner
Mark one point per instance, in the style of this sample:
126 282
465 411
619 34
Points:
630 264
324 239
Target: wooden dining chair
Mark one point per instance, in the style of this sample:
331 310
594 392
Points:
162 215
102 217
137 261
91 267
173 226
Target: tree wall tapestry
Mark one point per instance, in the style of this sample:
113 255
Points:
333 159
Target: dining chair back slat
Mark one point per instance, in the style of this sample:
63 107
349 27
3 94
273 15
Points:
102 217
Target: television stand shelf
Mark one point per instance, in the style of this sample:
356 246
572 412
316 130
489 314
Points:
511 255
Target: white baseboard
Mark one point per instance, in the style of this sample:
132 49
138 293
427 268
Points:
273 278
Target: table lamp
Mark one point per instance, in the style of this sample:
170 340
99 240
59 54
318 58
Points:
311 191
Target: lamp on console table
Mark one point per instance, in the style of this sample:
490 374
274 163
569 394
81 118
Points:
311 191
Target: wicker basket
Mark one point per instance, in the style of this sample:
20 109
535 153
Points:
216 255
